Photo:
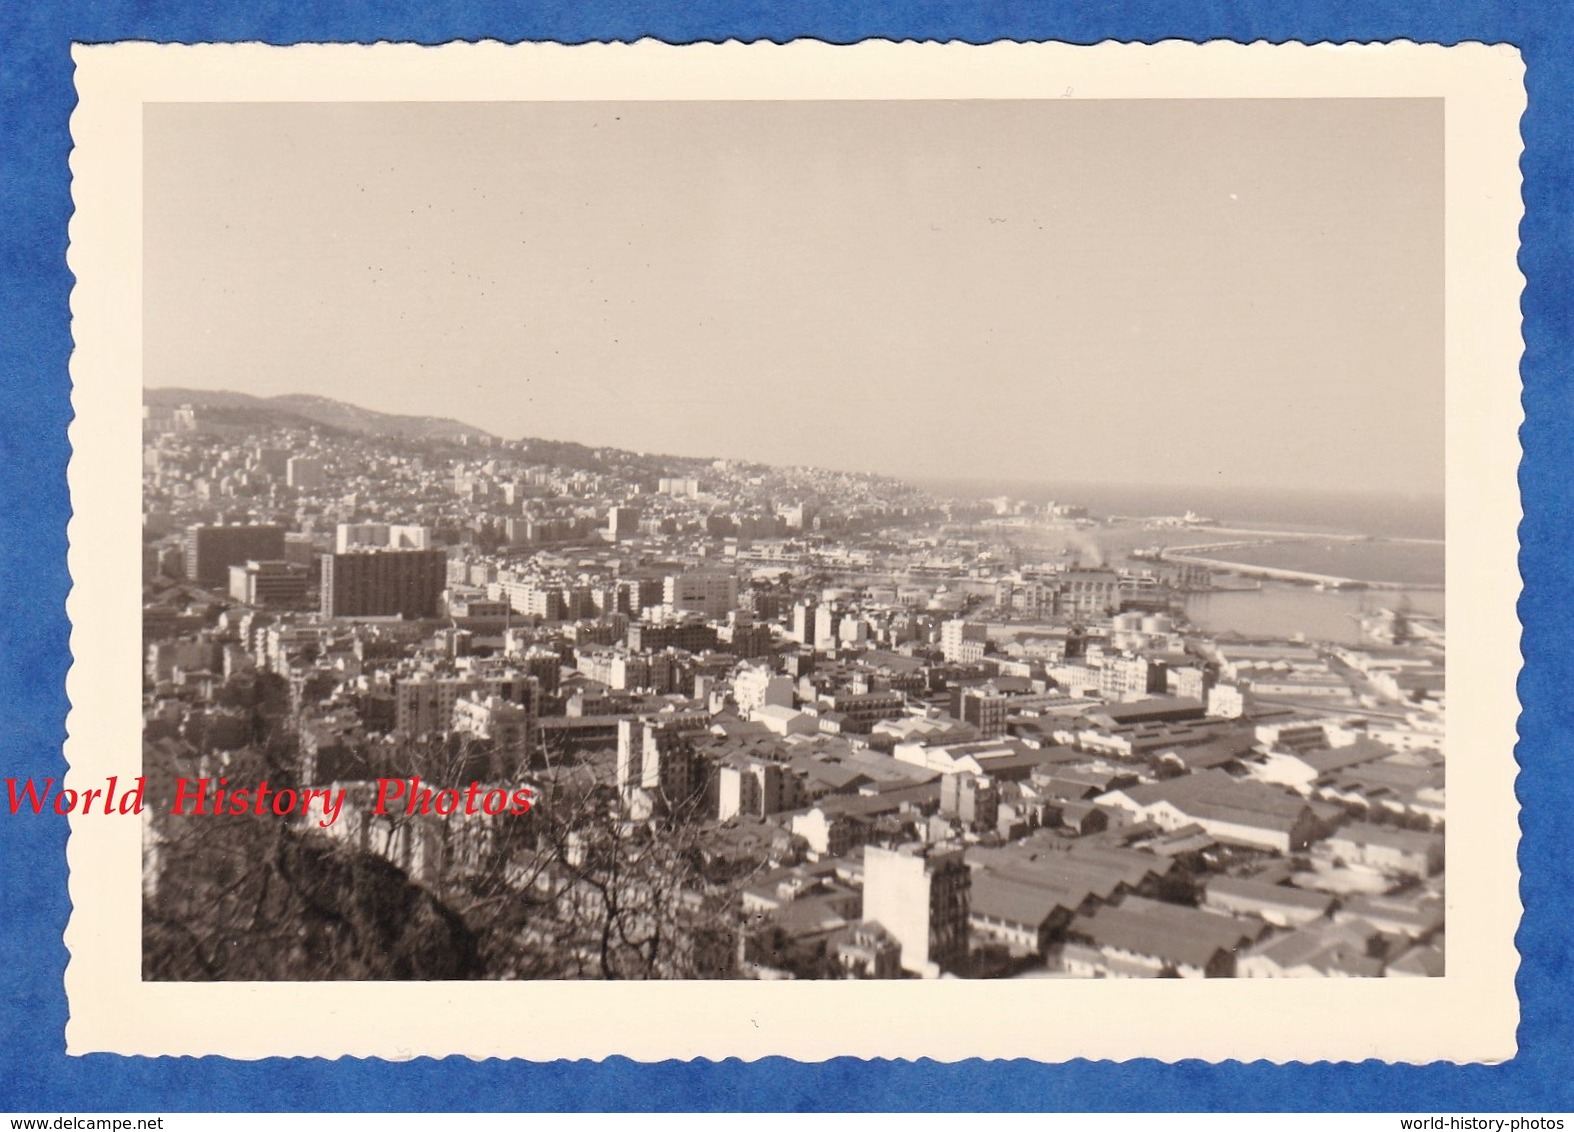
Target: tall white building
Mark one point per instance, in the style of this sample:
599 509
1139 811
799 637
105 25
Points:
304 472
510 726
395 536
827 620
753 787
962 642
919 894
656 757
803 622
755 686
710 593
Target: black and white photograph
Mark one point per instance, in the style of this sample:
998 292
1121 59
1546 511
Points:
822 540
689 535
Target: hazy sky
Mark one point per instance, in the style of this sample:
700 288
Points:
1235 293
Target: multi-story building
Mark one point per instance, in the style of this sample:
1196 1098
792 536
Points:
973 799
862 712
804 616
531 599
1034 598
622 522
986 709
396 536
755 686
277 585
752 787
271 461
304 472
1123 676
657 757
677 487
828 835
543 664
424 704
745 640
164 657
797 517
962 642
869 952
350 535
919 894
510 726
383 583
210 551
712 594
1088 593
690 636
644 593
1188 681
1226 701
579 602
827 620
623 670
546 603
478 606
853 631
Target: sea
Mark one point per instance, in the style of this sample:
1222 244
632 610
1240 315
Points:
1414 563
1279 611
1383 514
1268 609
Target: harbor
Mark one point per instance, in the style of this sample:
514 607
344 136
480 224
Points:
1214 557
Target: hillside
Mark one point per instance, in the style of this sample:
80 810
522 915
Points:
301 410
297 407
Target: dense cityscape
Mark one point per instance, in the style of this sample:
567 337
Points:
775 723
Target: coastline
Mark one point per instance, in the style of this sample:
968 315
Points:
1283 574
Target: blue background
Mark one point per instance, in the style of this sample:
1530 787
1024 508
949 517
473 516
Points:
35 206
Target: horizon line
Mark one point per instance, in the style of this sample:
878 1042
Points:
914 479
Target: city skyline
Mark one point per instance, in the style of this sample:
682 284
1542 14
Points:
969 484
907 285
767 723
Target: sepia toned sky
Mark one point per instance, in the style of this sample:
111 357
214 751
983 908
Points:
1233 293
